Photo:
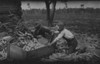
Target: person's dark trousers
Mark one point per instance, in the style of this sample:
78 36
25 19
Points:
72 44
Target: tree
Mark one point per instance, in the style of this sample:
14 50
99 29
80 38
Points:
50 13
53 11
82 8
82 5
48 10
28 4
66 6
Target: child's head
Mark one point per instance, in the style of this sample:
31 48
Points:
61 26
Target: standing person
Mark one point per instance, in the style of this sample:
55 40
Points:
68 36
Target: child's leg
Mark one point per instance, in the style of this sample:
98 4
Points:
72 47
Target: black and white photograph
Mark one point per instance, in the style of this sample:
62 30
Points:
49 31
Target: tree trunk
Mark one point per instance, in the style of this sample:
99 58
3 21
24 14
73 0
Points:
52 12
48 11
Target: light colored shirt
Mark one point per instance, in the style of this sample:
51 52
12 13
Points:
64 33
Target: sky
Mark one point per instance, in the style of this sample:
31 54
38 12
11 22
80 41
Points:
61 5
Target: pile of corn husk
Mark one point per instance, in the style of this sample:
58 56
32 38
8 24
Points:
24 42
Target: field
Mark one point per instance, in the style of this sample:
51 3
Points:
78 20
